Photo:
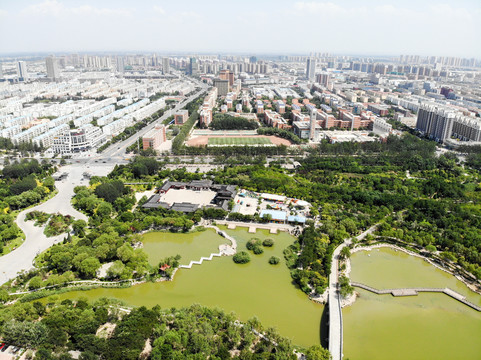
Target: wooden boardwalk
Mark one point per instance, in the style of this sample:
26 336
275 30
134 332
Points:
415 291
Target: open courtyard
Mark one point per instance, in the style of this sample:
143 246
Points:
201 198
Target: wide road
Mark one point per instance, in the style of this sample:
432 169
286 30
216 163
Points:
101 164
117 150
36 241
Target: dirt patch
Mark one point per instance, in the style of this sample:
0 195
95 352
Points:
278 141
203 140
106 330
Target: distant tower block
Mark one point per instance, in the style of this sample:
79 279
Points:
312 124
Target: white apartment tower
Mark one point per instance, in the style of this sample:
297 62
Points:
312 123
22 71
120 64
311 69
165 66
53 72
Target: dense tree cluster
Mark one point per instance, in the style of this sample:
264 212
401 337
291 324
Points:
22 184
100 331
285 134
111 190
234 151
7 144
229 122
178 142
310 270
143 166
8 230
242 257
22 169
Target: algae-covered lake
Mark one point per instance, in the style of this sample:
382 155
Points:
427 326
254 289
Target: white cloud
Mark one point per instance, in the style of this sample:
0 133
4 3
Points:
319 7
3 12
159 10
55 8
190 14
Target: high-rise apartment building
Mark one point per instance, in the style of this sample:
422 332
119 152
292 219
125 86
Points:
323 79
227 75
312 123
222 87
435 122
193 66
165 66
120 64
311 69
22 71
53 73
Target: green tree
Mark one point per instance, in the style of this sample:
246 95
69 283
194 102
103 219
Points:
104 209
116 270
89 266
35 283
317 352
79 226
345 253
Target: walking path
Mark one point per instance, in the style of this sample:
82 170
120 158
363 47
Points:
80 283
415 291
35 240
334 299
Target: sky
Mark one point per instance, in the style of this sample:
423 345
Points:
368 27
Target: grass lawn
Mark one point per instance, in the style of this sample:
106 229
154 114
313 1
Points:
15 243
238 140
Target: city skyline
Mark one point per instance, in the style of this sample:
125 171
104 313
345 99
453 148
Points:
342 27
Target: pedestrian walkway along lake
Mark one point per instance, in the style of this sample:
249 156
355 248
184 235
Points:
427 326
253 289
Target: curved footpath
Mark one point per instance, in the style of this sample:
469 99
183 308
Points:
35 240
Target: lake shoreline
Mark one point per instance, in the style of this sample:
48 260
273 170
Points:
351 299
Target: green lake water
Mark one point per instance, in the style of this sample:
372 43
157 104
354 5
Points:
191 246
253 289
427 326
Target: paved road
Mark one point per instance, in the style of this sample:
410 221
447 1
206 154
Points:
36 242
118 150
335 312
101 164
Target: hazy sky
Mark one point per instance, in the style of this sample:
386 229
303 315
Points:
374 27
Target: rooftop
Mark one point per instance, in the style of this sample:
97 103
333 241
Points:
275 214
